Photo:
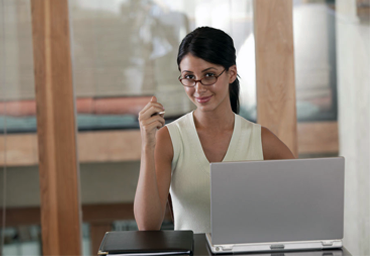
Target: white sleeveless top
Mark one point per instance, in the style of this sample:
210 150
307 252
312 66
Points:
190 179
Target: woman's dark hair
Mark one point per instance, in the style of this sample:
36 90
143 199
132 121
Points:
214 46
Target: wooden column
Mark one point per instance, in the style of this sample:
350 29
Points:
276 101
56 128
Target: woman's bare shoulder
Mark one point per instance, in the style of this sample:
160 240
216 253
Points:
273 147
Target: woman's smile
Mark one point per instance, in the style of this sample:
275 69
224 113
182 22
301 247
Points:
203 99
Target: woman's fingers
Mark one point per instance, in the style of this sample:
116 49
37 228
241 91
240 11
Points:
152 102
150 112
153 126
151 109
150 121
157 120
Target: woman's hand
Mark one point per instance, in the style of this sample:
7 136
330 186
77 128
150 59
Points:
155 168
150 121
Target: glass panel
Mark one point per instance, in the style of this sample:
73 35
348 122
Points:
315 63
316 75
19 176
315 60
125 51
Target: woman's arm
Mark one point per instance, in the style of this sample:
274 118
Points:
155 170
273 147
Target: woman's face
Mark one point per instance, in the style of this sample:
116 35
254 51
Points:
207 97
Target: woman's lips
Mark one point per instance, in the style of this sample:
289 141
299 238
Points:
203 99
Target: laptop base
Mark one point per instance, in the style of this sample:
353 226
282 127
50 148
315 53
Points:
272 247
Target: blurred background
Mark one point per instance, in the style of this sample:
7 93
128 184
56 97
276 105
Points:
124 51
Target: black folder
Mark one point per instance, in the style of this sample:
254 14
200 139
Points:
167 242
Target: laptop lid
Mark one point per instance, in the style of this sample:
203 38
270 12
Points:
277 200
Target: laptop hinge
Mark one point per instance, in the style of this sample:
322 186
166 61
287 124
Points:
224 248
277 247
327 243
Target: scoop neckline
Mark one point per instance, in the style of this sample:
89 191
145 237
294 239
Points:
199 148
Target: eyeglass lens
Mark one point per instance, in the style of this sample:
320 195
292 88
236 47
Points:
205 81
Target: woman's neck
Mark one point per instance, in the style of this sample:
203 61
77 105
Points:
215 120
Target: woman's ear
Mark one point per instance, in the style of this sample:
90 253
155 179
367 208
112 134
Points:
233 72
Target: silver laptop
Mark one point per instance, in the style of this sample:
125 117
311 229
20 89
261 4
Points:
277 205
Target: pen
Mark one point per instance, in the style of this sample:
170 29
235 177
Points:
159 113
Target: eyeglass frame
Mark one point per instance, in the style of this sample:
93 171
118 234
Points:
200 80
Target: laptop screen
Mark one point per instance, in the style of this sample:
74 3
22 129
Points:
277 200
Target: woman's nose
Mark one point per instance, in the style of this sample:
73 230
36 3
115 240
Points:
199 87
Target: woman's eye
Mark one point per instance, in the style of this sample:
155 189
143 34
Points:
189 76
209 75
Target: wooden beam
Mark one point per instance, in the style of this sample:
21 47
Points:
21 216
94 213
363 10
319 137
109 146
19 150
119 146
276 101
102 146
56 129
104 213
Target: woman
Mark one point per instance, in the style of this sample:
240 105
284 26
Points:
176 158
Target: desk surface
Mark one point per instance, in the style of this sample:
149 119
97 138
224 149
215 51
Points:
201 248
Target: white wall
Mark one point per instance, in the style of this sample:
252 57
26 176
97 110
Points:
353 69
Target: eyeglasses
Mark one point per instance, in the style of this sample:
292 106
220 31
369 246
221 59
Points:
207 80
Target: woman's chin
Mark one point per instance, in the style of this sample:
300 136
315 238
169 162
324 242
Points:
204 108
